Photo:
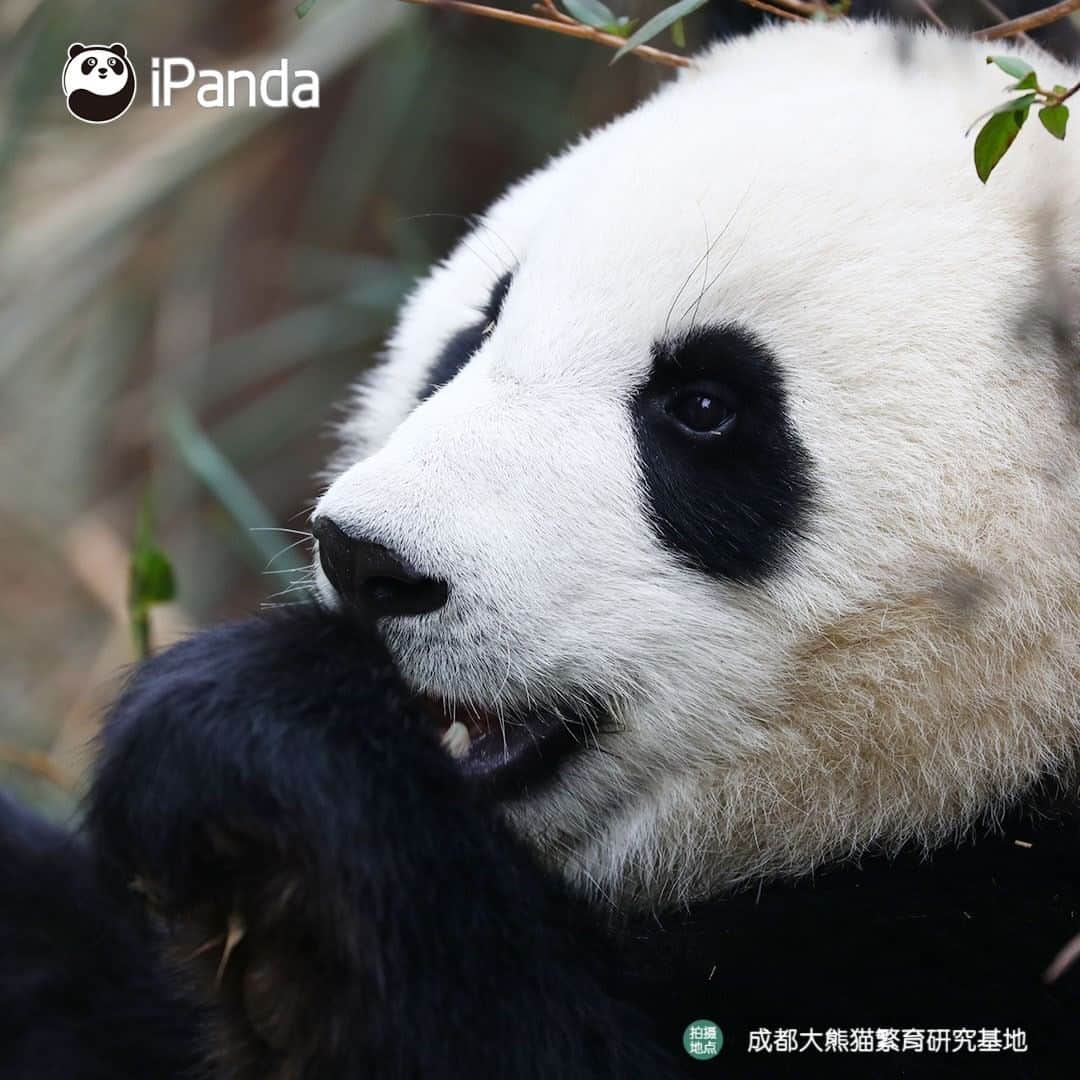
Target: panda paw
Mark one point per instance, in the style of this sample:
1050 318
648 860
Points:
247 780
342 896
241 732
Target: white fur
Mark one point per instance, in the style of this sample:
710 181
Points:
918 659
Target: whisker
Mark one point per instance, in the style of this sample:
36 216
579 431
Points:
476 226
703 257
705 271
305 512
722 270
304 539
474 223
304 586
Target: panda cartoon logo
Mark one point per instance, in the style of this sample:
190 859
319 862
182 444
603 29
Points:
98 81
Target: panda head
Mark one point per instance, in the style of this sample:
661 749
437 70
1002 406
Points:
722 484
98 81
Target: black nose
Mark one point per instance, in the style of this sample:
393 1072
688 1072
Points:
373 577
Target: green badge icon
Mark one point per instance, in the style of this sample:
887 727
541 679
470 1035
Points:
702 1039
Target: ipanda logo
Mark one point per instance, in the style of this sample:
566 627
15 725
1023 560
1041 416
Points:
276 87
99 84
98 81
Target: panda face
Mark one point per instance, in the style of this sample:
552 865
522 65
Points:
98 81
722 485
98 71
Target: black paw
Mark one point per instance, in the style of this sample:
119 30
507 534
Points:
250 784
342 897
247 731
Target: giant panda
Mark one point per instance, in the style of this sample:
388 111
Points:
697 640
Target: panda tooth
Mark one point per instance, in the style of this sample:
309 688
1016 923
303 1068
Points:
456 739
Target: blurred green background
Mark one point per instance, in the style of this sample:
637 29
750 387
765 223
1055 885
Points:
186 295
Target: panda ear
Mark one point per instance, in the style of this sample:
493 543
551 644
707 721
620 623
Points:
76 48
117 48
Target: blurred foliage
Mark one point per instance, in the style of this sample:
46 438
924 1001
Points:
151 580
186 295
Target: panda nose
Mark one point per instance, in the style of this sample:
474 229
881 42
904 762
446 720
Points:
373 577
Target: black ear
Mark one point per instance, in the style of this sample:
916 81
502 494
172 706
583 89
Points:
117 48
76 48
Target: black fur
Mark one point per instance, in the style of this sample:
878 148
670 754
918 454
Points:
81 996
277 772
727 504
274 783
457 352
960 939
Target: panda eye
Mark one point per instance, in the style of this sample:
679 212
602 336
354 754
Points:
701 411
114 63
88 65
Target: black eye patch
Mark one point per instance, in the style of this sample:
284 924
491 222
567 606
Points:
457 352
728 482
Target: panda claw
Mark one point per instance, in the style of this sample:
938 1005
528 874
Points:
456 740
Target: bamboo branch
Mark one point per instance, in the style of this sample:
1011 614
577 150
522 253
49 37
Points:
548 9
761 5
997 13
549 17
806 8
1068 955
927 9
1068 94
570 29
1029 22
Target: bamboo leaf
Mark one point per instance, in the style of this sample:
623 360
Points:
1012 65
151 579
995 138
591 12
658 24
1055 118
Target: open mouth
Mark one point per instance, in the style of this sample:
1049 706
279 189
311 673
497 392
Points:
514 754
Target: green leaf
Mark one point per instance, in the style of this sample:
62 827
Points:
622 27
1055 118
1059 90
591 12
1028 82
304 7
1019 104
678 34
1012 65
995 138
152 579
658 24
